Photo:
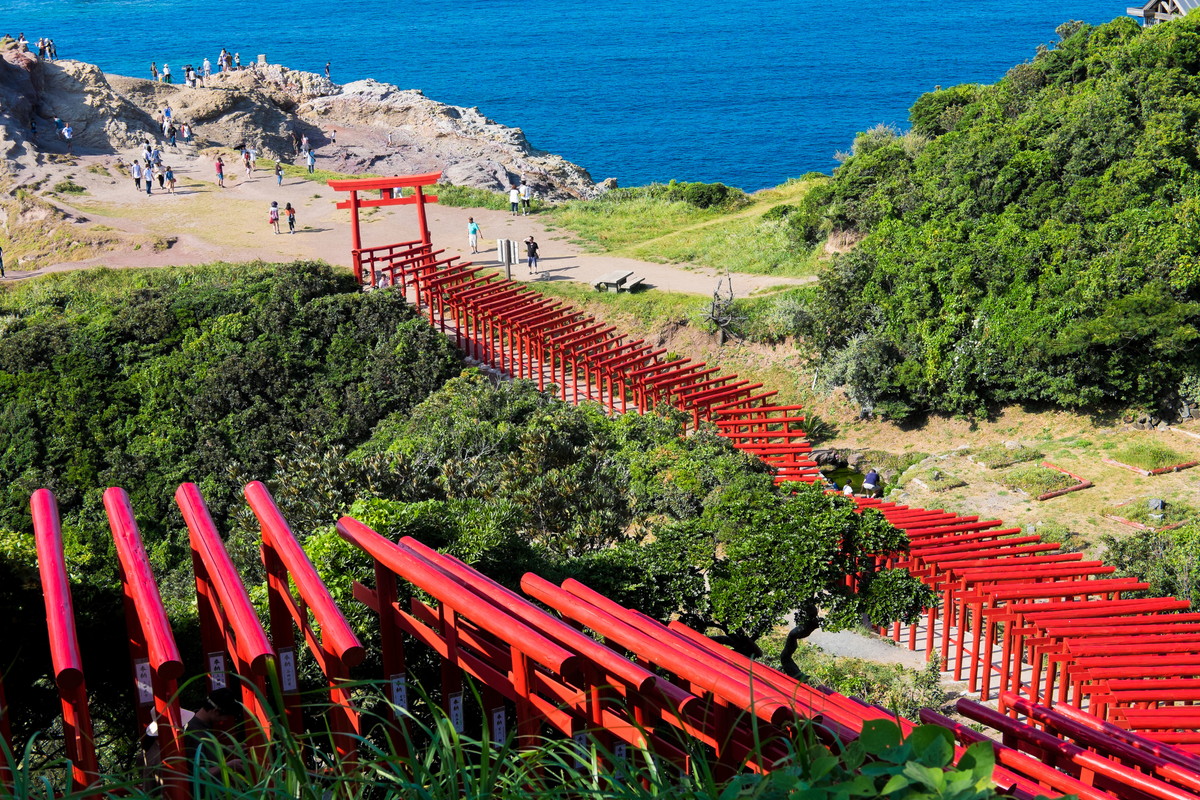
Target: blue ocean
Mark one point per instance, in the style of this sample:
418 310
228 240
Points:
747 92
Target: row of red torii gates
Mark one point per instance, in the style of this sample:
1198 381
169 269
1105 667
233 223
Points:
1096 691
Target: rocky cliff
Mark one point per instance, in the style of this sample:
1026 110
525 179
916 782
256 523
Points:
379 128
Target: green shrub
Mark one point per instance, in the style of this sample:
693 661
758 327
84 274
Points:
1168 560
998 455
1036 480
1138 510
1149 455
935 479
69 186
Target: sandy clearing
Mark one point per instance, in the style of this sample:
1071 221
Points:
214 224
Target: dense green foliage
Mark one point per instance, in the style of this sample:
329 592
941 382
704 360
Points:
1168 560
511 480
145 379
1031 241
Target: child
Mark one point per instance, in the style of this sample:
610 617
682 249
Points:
220 165
291 215
273 215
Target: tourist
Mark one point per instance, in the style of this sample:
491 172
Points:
327 71
526 196
848 490
871 484
221 59
148 176
237 61
200 738
473 234
220 166
171 134
160 175
246 163
304 146
273 215
278 174
170 180
135 169
166 73
312 162
531 252
154 70
156 157
291 215
333 136
514 198
58 127
206 69
253 156
52 49
167 108
187 133
68 135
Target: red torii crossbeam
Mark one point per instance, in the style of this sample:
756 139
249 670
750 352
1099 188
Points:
389 195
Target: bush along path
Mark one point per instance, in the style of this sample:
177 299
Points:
1054 606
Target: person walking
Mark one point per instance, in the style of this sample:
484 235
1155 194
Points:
273 215
531 252
473 234
220 167
68 136
333 135
514 198
278 174
160 175
247 163
170 173
58 126
291 215
148 178
312 162
171 132
526 196
135 169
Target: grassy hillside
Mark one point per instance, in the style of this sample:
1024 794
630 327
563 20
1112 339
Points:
740 233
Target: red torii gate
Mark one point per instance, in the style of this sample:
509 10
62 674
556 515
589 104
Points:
388 196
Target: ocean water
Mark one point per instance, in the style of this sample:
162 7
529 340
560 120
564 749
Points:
747 92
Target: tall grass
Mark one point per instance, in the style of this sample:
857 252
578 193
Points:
426 757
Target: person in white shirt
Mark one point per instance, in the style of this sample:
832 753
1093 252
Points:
526 197
514 199
135 169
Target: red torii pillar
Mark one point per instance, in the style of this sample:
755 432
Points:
388 196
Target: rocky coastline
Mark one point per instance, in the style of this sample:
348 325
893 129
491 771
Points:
379 128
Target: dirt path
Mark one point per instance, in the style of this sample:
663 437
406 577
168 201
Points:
208 223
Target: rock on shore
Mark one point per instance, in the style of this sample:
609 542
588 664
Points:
379 128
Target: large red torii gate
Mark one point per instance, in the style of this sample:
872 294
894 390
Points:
388 196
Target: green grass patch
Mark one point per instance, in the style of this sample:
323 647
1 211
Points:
99 169
1150 455
652 224
934 479
1138 510
649 306
997 455
1035 479
68 186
